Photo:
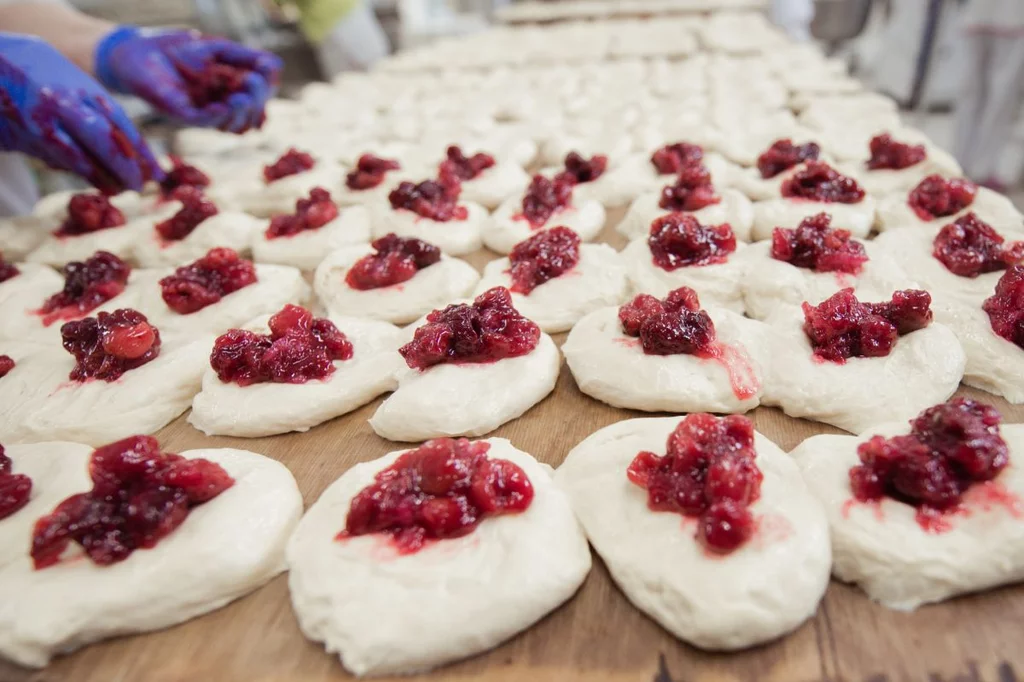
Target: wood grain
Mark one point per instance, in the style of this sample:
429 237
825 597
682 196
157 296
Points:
598 636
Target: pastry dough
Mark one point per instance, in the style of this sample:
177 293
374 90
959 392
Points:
994 364
20 235
991 207
231 229
495 184
786 212
121 241
265 199
734 208
308 248
884 181
719 284
506 228
636 175
454 237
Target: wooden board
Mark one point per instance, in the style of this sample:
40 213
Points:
598 636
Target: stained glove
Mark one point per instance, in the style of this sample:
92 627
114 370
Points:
54 111
201 81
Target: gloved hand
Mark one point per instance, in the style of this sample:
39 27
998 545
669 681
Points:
54 111
161 66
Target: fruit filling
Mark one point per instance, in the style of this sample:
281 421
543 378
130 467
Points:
669 327
950 447
842 327
7 270
369 172
581 170
544 256
6 365
89 213
195 208
110 344
310 214
466 167
299 348
213 82
87 285
673 158
1005 307
206 281
708 473
969 247
679 240
182 175
783 155
691 191
442 489
15 489
816 246
431 199
892 155
395 260
936 197
544 198
292 162
818 181
139 496
487 330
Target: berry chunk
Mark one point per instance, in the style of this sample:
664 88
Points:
195 208
675 325
679 240
580 170
206 281
395 260
816 246
6 365
673 158
213 82
369 172
7 270
292 162
691 191
110 344
310 214
87 285
892 155
818 181
936 197
431 199
544 256
1005 307
969 247
544 198
467 167
783 155
89 213
182 175
15 489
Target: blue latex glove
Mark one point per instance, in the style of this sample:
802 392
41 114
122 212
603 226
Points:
54 111
155 65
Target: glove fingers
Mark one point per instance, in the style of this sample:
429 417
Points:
78 160
107 146
241 106
264 63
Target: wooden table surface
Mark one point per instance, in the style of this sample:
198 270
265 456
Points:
598 635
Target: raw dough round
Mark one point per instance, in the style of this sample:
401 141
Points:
734 208
885 181
495 184
307 249
782 212
504 230
20 235
636 175
230 229
719 284
453 237
994 364
120 241
265 199
993 208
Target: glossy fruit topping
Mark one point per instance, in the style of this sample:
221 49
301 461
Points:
673 158
292 162
206 281
431 199
489 329
669 327
7 270
969 247
679 240
816 246
544 198
1005 307
6 365
182 175
213 83
937 197
310 214
890 154
544 256
842 327
466 167
87 285
442 489
88 213
195 208
299 348
395 260
15 489
783 155
818 181
139 496
580 170
709 472
691 191
110 344
369 172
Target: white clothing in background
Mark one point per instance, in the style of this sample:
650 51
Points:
794 17
18 189
356 42
997 15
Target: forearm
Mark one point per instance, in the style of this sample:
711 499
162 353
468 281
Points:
74 34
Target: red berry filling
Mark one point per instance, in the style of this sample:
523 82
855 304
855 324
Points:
692 190
292 162
213 82
110 344
673 158
544 256
442 489
969 247
89 213
139 496
816 246
182 175
299 348
670 327
6 365
842 327
708 473
545 197
950 447
431 199
310 214
678 241
490 329
783 155
580 170
86 286
818 181
890 154
194 286
195 208
937 197
7 270
466 167
369 172
395 260
1005 307
15 489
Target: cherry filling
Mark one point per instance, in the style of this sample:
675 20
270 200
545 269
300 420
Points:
709 473
431 199
110 344
369 172
15 489
818 181
581 170
86 285
544 197
182 175
1005 307
544 256
395 260
969 247
783 155
488 330
7 270
816 246
89 213
692 190
139 496
842 327
673 158
292 162
679 240
299 348
195 208
442 489
310 214
937 197
892 155
950 447
669 327
6 365
213 82
206 281
466 167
